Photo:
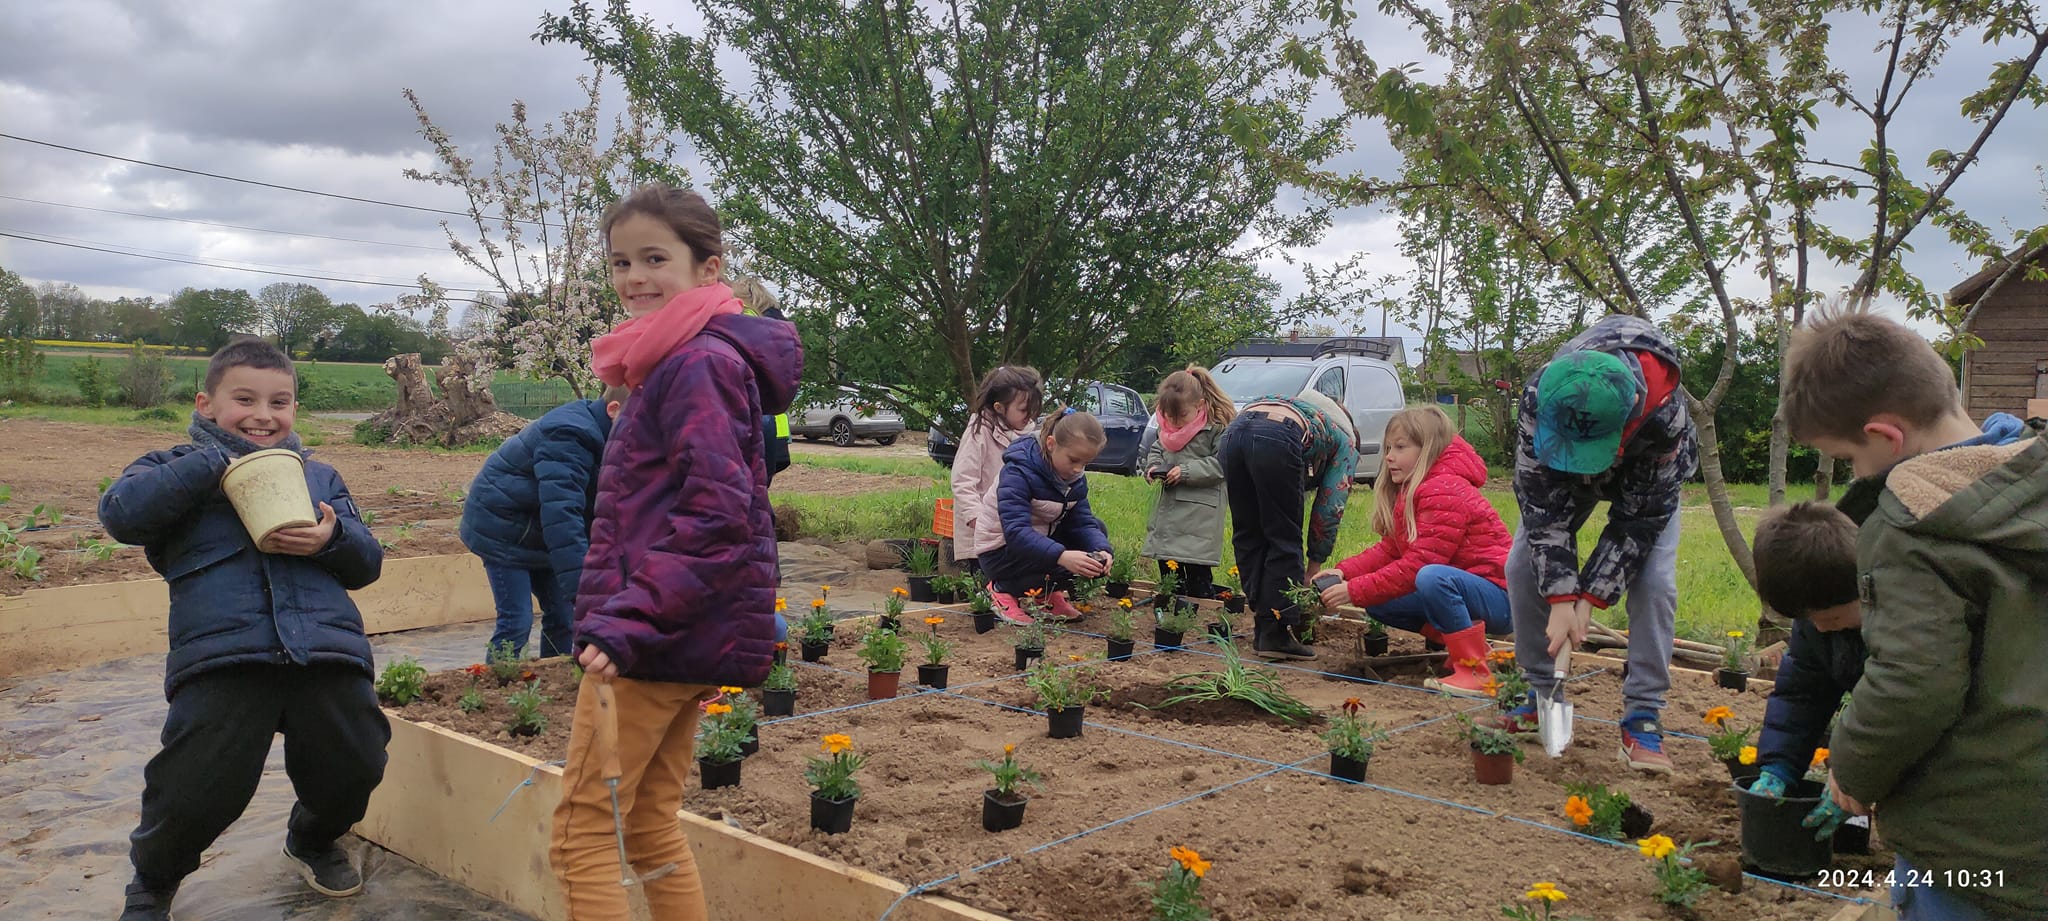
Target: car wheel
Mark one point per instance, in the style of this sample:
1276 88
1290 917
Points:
885 440
842 433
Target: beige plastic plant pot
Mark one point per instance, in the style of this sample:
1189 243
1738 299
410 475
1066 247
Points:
268 490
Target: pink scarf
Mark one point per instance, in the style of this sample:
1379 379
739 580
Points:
1174 439
630 352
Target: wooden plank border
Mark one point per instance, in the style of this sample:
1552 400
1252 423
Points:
52 629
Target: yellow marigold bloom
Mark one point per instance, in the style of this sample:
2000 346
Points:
1073 658
1546 891
718 709
1233 570
1124 603
1501 656
731 690
1735 634
1717 716
1491 687
1748 755
1009 748
836 743
817 604
1190 861
781 604
1173 565
1820 756
1578 810
1656 847
900 592
934 620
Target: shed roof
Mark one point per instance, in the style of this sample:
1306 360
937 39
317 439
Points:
1974 285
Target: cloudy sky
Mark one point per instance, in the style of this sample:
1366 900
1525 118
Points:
267 90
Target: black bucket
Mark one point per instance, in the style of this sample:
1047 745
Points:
1774 843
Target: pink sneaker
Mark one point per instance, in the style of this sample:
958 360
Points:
1062 609
1007 607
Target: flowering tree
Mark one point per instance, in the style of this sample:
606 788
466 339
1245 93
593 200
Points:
533 229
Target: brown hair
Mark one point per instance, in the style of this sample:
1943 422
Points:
1431 431
684 211
247 352
1805 558
1067 426
1848 367
1006 384
1183 391
616 393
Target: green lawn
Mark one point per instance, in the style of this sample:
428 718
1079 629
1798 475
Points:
329 386
1713 596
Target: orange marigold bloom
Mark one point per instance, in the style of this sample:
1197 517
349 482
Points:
1820 756
1352 705
1190 861
1578 811
1173 565
1073 658
836 743
1717 716
781 605
782 647
934 621
1009 748
718 709
900 592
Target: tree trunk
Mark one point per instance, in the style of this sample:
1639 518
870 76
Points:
1781 438
468 393
467 415
413 396
1717 493
1824 479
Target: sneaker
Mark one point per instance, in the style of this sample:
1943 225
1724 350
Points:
146 904
1062 609
1007 607
327 870
1519 722
1642 743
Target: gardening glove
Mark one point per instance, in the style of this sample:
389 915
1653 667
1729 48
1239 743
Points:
1824 819
1768 784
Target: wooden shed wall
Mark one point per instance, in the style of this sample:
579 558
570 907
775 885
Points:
2014 328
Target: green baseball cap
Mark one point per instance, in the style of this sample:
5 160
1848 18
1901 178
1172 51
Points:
1583 401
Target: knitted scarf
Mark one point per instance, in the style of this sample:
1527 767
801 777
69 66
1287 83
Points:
207 433
632 350
1174 439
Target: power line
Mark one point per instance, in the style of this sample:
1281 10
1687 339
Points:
267 185
211 265
224 261
187 220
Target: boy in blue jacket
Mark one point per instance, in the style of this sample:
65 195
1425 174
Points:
528 516
263 640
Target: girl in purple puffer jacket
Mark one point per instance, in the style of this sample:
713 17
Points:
678 588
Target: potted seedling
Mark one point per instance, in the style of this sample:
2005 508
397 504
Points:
719 741
1508 684
1595 810
1119 584
1170 625
1351 740
1120 627
1029 639
892 609
1494 752
1375 637
921 561
1223 627
778 691
746 714
1003 807
1730 744
527 720
932 673
1233 595
1088 589
1308 600
1063 693
401 682
833 789
1734 671
1167 596
882 649
816 631
983 609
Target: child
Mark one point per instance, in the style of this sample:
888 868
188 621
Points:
1946 735
528 517
679 586
1605 420
761 302
1438 567
1274 447
1041 533
1187 523
1010 397
264 639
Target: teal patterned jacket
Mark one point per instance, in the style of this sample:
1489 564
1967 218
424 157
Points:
1332 457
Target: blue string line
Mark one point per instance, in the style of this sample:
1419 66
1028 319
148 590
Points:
530 775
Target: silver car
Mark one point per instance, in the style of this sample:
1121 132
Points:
849 419
1356 372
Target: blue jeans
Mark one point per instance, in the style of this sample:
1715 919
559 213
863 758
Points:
1449 599
1928 902
514 590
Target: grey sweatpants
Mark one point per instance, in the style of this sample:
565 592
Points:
1652 602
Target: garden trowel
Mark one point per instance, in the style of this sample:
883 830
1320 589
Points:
1554 714
608 749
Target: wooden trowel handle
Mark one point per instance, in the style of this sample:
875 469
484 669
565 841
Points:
608 730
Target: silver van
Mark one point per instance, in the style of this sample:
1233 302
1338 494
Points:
1356 372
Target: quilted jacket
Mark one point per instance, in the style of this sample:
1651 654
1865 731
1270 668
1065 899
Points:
530 505
1042 516
1454 526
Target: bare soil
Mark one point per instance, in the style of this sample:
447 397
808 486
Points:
1246 790
411 498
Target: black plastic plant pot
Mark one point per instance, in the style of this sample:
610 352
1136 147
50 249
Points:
891 624
778 703
751 747
921 589
1234 604
1636 821
933 676
984 621
1024 657
1064 723
1002 813
1120 650
832 816
1376 645
1774 843
1853 838
716 774
1219 631
1165 639
815 651
1732 679
1349 769
1117 589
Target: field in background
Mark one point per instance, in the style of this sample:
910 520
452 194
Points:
326 386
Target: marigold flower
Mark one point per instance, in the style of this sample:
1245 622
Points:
1717 716
477 671
782 647
1470 663
1501 657
1352 705
1546 891
1009 748
1491 687
781 605
817 604
1233 570
528 675
1073 658
934 620
1735 634
836 743
1034 593
731 690
1579 811
1124 603
1820 757
1190 861
1748 755
900 592
1173 565
718 709
1656 847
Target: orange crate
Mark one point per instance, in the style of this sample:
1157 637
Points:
942 518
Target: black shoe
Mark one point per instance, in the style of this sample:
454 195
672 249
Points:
1274 640
146 904
326 869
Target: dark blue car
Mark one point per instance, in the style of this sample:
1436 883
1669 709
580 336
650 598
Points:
1123 416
